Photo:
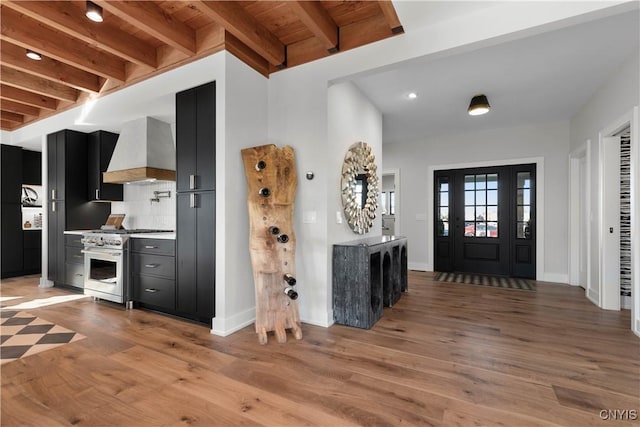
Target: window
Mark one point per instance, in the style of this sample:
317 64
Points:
392 202
481 205
383 202
443 207
523 205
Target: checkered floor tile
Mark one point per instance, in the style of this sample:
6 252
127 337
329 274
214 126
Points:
23 334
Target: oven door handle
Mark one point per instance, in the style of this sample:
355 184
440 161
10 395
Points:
100 253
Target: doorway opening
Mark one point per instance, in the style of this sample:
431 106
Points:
390 202
485 219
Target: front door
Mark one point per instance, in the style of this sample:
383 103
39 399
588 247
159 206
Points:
484 220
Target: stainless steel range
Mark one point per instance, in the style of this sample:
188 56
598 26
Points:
106 263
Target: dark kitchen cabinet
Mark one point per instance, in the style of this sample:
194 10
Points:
11 174
11 215
195 184
31 167
100 149
196 255
32 243
195 135
68 206
153 274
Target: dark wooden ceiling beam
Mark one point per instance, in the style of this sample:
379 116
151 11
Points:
246 28
317 20
39 85
11 117
14 56
391 16
24 31
29 98
65 17
16 107
154 21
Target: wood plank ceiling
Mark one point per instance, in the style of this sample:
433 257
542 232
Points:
82 59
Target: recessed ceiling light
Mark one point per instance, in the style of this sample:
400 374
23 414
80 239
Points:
412 95
93 12
33 55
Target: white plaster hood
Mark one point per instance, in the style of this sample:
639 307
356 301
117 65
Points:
144 152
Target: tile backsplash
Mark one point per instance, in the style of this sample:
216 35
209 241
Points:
141 212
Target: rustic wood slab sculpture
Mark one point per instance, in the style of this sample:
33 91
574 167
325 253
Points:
272 182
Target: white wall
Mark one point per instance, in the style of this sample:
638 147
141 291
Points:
351 118
549 141
616 98
244 124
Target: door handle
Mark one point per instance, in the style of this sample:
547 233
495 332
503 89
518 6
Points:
97 194
53 206
53 194
192 200
192 182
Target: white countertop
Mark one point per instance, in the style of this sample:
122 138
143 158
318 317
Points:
165 235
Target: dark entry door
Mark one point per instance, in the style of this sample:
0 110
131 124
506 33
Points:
484 220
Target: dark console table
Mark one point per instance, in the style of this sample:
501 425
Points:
368 274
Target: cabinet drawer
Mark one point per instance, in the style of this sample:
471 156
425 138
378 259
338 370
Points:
73 240
74 275
156 265
154 291
73 255
154 246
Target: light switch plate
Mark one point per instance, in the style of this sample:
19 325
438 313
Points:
338 217
309 217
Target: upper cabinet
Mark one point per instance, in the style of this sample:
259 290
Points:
195 134
32 167
11 173
100 148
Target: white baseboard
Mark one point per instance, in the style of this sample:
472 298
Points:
227 326
637 329
554 277
324 323
44 283
593 297
419 266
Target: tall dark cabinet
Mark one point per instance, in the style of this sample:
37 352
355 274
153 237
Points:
195 169
67 203
11 214
100 149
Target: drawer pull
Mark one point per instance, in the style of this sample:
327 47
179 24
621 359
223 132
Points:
79 275
151 290
151 265
150 247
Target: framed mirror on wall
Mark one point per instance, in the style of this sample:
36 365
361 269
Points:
360 187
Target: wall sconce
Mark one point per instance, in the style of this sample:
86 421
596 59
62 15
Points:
93 12
479 105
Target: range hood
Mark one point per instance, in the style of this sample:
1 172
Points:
144 152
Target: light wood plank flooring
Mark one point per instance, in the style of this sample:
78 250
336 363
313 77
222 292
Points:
445 355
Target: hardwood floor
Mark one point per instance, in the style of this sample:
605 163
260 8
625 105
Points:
445 355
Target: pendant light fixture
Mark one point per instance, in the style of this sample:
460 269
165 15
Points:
33 55
93 12
479 105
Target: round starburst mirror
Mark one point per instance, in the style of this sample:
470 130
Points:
359 187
